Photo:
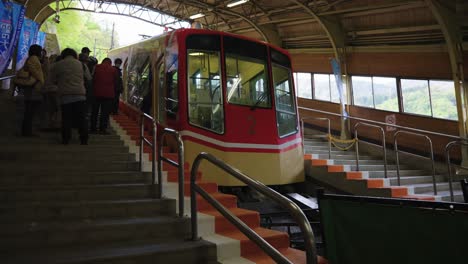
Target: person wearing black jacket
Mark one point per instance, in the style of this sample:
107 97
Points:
118 88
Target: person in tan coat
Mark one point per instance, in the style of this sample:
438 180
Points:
32 95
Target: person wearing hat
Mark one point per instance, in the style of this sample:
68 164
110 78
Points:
86 51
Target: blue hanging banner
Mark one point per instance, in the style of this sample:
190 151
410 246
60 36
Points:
339 84
11 22
27 38
40 39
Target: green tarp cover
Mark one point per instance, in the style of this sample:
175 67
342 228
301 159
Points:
361 232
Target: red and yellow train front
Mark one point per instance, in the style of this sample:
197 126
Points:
236 100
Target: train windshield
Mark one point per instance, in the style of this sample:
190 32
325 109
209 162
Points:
246 73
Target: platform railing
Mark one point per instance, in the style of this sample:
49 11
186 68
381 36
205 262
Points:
295 210
383 124
384 149
328 136
448 147
152 144
179 165
431 157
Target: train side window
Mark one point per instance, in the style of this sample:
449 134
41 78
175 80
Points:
204 91
172 98
284 99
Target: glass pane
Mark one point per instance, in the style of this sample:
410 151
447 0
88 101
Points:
205 95
362 91
444 104
303 83
415 95
385 93
246 82
284 98
322 87
138 79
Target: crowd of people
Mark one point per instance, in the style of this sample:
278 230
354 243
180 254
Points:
68 88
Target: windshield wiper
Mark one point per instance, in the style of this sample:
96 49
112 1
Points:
260 99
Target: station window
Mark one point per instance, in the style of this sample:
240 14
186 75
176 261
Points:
375 92
326 89
303 82
429 97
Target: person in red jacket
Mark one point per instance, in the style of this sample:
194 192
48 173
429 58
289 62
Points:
104 83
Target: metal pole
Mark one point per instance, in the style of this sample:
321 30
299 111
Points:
395 143
447 151
384 151
329 138
142 128
193 200
433 166
153 163
160 154
357 147
181 175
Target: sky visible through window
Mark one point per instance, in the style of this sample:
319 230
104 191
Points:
130 30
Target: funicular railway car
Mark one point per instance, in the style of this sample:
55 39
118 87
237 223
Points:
227 95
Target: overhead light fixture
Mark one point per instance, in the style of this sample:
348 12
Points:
236 3
199 15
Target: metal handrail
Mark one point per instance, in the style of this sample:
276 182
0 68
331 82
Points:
329 132
6 77
395 143
385 124
144 141
384 150
295 210
179 165
448 147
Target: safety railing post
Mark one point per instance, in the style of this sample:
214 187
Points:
153 163
384 150
179 165
448 147
142 129
431 157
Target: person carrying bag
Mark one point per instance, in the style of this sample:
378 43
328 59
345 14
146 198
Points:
30 79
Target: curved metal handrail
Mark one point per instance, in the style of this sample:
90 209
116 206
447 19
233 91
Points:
295 210
152 144
6 77
179 165
448 147
395 143
329 132
384 150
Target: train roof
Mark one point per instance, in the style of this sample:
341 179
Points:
187 31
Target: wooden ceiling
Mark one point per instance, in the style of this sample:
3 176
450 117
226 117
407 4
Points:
316 24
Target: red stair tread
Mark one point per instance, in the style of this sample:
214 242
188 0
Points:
228 201
276 238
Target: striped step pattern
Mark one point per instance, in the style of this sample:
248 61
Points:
87 204
370 178
220 231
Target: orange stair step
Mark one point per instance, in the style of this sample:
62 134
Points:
250 218
227 200
209 187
